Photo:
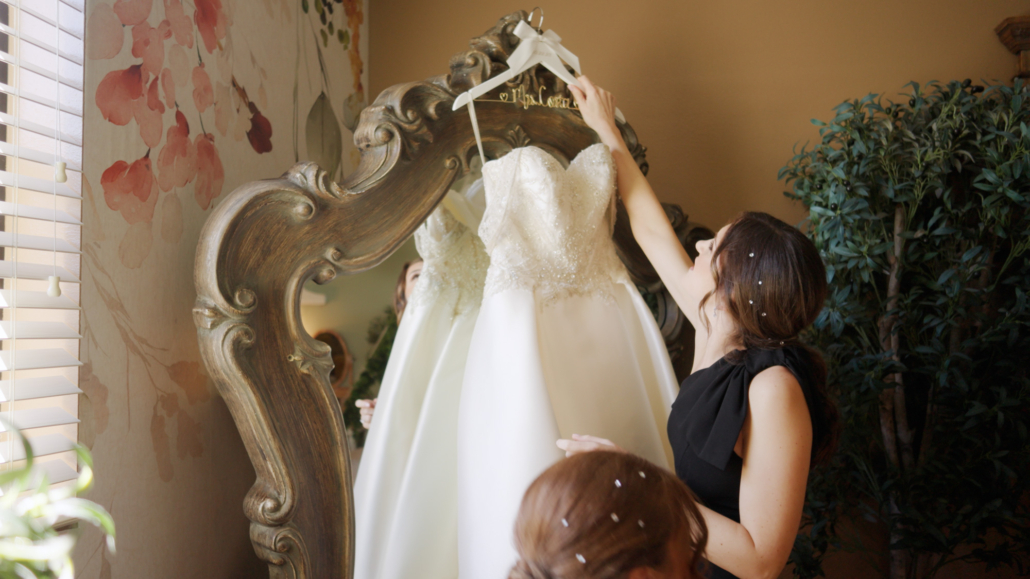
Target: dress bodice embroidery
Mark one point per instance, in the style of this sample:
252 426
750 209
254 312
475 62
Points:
454 262
547 228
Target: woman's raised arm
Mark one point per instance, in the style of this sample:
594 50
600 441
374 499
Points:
647 218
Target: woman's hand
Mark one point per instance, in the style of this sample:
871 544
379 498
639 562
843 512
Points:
581 443
368 408
598 108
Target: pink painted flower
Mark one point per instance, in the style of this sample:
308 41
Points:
260 133
104 37
131 189
116 93
203 93
133 12
210 174
177 161
168 85
180 23
148 44
211 22
149 120
153 98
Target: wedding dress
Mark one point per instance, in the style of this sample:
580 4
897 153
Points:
563 344
405 496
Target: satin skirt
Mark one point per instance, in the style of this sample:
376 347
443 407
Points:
538 372
405 495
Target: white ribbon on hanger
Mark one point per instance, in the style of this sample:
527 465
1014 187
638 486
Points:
535 48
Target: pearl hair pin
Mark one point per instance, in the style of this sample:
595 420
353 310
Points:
615 517
642 475
641 523
618 484
581 558
752 254
564 523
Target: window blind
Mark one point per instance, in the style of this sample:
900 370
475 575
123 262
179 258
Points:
41 101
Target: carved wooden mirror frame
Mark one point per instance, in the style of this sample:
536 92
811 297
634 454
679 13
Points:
268 238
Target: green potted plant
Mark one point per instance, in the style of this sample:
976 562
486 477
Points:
30 546
920 211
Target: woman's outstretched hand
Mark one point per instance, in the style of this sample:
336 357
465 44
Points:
598 108
368 408
581 443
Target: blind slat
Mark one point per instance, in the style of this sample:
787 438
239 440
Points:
75 83
41 44
41 446
37 331
37 242
36 359
35 271
32 212
74 108
28 10
32 388
58 471
33 155
9 239
12 121
41 418
35 300
36 184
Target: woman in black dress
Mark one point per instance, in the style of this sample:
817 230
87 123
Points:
754 415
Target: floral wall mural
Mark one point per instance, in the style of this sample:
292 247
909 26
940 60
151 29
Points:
186 100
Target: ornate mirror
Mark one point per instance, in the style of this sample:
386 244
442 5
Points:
268 238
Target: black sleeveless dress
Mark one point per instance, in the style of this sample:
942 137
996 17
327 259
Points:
705 423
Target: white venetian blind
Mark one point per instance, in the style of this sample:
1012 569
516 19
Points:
41 84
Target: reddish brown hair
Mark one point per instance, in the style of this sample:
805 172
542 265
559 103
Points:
773 284
600 514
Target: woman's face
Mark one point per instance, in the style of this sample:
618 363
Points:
700 280
411 278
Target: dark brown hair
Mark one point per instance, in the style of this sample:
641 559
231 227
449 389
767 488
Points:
400 301
773 283
600 514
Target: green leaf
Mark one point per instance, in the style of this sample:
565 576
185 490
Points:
343 36
322 135
325 38
304 6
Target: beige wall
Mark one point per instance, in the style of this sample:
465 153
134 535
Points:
721 91
170 465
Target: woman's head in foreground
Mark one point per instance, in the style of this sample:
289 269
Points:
608 515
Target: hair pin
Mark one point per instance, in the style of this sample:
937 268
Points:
642 475
581 558
615 517
759 282
618 484
751 301
641 523
752 254
564 523
763 314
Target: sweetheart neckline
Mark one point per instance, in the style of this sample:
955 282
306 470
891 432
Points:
547 156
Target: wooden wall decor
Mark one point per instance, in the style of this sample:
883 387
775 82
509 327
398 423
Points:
1014 33
268 238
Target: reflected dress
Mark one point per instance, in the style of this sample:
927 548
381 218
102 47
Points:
405 497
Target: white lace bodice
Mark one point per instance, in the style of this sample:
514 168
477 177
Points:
454 262
547 228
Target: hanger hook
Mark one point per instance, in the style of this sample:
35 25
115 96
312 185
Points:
540 26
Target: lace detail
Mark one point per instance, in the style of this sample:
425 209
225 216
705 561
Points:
548 229
454 262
